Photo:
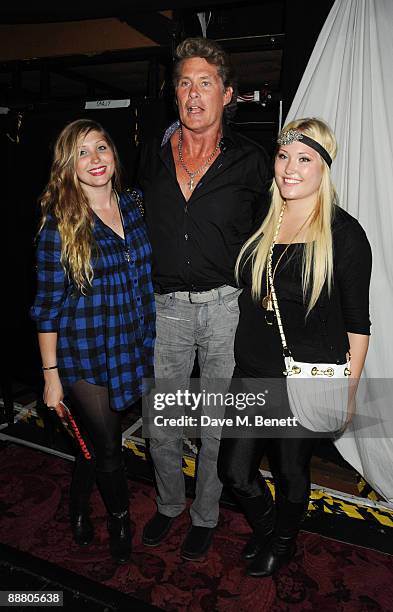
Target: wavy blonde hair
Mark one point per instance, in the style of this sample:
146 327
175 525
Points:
317 266
65 199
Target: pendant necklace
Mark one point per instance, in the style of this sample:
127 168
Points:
267 301
127 254
111 223
113 226
192 175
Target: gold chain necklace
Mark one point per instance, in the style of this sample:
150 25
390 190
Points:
192 175
267 301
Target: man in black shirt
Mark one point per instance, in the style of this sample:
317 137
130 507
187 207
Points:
205 192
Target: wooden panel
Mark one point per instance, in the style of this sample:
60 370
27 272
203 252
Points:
71 38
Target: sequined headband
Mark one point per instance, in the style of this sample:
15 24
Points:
290 136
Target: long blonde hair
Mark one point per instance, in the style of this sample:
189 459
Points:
65 199
318 253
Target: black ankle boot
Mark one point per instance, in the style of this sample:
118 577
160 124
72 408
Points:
260 513
114 491
82 528
82 484
120 536
282 545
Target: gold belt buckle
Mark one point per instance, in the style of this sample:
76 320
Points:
316 372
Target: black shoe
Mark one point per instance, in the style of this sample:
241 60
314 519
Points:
82 529
197 542
157 529
276 555
120 537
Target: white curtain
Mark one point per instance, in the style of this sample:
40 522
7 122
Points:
348 82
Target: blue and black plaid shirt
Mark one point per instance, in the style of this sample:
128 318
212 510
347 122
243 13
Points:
107 336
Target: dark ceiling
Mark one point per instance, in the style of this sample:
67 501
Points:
270 42
251 31
42 11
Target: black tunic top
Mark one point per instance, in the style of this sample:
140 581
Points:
322 336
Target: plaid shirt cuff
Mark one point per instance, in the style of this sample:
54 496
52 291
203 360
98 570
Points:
47 326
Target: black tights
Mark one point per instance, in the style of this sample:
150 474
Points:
100 425
101 429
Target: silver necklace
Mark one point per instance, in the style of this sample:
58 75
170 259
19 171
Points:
113 210
192 175
116 209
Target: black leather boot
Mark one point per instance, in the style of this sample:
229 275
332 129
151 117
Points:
114 491
82 528
282 545
83 480
120 536
260 513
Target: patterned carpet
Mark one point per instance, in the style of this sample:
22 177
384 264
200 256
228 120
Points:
325 575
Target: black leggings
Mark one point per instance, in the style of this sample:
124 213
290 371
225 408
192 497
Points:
100 426
240 458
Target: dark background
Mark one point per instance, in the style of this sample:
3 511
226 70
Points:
270 43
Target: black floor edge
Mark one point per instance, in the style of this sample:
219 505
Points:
79 592
350 531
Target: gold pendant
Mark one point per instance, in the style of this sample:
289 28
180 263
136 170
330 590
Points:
191 183
267 302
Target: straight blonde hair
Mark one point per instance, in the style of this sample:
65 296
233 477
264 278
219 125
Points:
65 199
317 266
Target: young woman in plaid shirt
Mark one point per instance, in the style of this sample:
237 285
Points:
94 312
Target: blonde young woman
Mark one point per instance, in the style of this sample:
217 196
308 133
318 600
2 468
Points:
320 266
94 312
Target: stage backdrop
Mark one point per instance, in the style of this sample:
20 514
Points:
348 82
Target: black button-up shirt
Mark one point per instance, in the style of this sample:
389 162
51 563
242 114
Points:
196 242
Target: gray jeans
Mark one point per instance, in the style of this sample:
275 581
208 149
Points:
182 328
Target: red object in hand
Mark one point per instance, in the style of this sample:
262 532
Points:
75 430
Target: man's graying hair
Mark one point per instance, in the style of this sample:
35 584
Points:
214 54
